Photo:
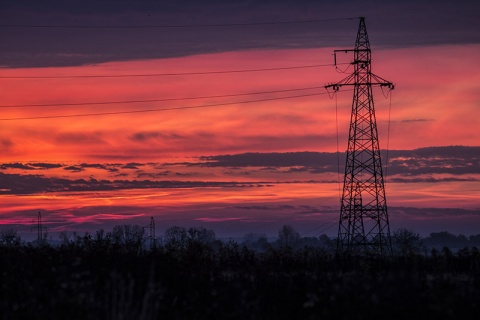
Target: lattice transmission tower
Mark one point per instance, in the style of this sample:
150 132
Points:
153 240
41 230
363 225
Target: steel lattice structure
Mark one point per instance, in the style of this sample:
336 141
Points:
363 225
153 240
41 235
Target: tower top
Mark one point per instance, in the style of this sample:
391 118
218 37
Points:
362 42
362 61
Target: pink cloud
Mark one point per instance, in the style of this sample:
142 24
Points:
209 219
435 103
443 95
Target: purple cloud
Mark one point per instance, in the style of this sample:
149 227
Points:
394 23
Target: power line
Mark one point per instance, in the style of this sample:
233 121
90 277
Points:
320 226
170 74
212 25
156 100
325 229
161 109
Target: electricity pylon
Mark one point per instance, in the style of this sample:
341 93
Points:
152 234
41 235
363 226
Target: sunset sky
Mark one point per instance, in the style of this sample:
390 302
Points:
207 113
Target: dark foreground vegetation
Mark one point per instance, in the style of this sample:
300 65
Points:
198 277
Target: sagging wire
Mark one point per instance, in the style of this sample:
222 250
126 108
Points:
388 136
340 70
390 89
338 151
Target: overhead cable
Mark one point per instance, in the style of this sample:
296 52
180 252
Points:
190 73
208 25
155 100
161 109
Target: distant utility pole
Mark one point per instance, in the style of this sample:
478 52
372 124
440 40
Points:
41 235
152 234
363 225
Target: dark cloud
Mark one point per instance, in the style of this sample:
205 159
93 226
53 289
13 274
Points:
74 168
433 164
179 174
257 207
271 169
77 167
236 172
94 165
154 135
434 160
106 167
301 209
132 165
298 169
30 184
430 179
455 160
153 175
287 206
121 175
17 165
42 165
46 166
419 213
305 210
271 160
401 23
462 152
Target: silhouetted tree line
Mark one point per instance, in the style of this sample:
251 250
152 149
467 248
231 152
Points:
193 275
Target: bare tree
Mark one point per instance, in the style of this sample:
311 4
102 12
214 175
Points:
255 241
176 237
131 236
65 237
9 237
288 236
407 242
201 234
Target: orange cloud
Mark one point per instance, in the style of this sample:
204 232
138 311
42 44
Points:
435 90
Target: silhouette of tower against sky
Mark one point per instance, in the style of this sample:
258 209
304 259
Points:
363 225
152 234
41 236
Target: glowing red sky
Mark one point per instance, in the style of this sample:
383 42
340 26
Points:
92 172
430 107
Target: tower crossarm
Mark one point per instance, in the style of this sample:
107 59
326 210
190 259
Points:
350 81
362 76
